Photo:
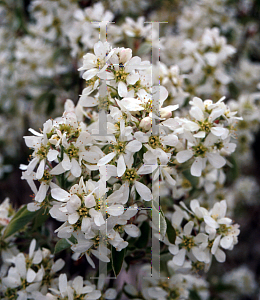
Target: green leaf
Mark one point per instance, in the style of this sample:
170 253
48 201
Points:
142 241
42 217
61 245
171 233
20 219
117 260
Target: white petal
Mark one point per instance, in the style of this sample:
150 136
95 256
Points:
143 191
30 275
87 289
184 155
132 230
60 194
110 294
63 284
211 222
37 258
133 146
217 112
188 228
198 253
219 131
66 164
32 248
226 242
90 74
215 244
52 154
89 201
40 169
75 168
99 49
57 170
77 284
121 167
104 160
86 224
58 265
20 264
93 295
180 257
97 215
122 89
220 255
41 194
87 101
73 218
197 113
194 204
196 167
132 78
216 160
115 210
100 256
200 134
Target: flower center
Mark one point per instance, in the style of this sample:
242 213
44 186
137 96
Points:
42 152
223 229
120 74
154 141
120 147
187 242
83 211
130 175
73 152
205 126
199 150
47 177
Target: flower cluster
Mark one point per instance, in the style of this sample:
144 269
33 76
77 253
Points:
97 183
204 235
34 276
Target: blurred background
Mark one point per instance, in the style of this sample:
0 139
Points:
41 48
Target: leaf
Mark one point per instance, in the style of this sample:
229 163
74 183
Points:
61 245
117 260
142 241
42 217
171 233
20 219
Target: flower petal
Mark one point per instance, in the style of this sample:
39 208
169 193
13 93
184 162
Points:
184 155
143 191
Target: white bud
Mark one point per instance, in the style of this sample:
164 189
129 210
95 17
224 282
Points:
145 123
125 55
164 113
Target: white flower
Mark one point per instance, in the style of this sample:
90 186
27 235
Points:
186 243
201 152
123 151
96 64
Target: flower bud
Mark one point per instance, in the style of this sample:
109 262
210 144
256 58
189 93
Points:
145 123
164 113
125 55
